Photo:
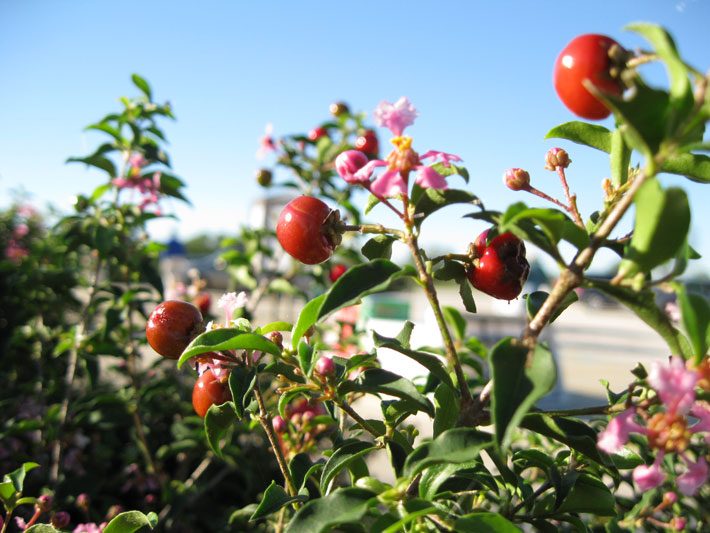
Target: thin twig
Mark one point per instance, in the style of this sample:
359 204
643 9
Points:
364 424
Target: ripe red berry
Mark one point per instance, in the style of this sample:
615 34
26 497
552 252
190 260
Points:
203 301
336 271
302 230
325 366
586 58
500 268
210 390
317 133
368 144
171 326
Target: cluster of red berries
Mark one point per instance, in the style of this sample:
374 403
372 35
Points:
170 328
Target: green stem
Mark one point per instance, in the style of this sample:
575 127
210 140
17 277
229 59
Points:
364 424
373 228
584 411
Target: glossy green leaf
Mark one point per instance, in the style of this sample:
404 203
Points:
275 497
660 229
218 422
342 506
485 523
450 270
404 336
288 396
695 167
42 528
434 199
620 159
436 475
519 380
583 133
371 202
413 509
279 325
345 454
455 320
451 170
467 296
589 495
555 224
17 476
428 360
446 404
142 84
98 161
241 384
358 282
227 339
458 445
534 302
379 381
306 358
7 493
307 317
379 246
695 314
131 521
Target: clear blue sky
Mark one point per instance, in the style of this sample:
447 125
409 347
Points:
478 72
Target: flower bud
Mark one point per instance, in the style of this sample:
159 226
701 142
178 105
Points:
263 177
277 338
678 523
556 157
348 163
325 366
60 520
113 512
516 179
279 424
82 501
669 498
44 503
339 108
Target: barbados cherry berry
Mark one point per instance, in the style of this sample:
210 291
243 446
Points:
210 390
171 326
203 301
325 366
317 133
368 144
336 271
307 230
499 268
587 58
279 424
263 177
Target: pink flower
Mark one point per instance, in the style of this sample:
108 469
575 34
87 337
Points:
20 231
675 384
20 523
349 163
230 302
266 143
396 117
137 161
15 252
430 178
441 156
616 434
694 478
26 211
649 477
389 183
90 528
701 411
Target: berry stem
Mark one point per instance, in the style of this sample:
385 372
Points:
268 425
373 228
571 198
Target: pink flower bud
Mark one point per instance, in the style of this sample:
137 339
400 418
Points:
556 157
325 366
348 163
44 503
669 498
82 500
516 179
60 520
678 523
279 424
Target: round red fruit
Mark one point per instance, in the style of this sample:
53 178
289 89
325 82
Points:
171 326
337 271
586 58
317 133
210 390
203 302
367 143
500 268
302 230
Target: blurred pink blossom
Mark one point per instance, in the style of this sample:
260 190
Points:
266 143
649 477
675 384
694 478
396 117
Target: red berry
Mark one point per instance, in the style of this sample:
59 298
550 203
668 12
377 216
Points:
279 424
500 269
210 390
337 271
586 58
171 326
302 231
317 133
203 302
368 143
325 366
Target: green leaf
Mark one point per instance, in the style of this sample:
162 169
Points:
227 339
695 312
695 167
467 296
131 521
620 159
589 495
348 452
554 223
660 229
458 445
519 380
379 381
455 320
436 475
485 523
358 282
429 361
372 201
279 325
241 384
446 404
379 246
434 199
404 336
307 317
142 85
534 302
41 528
275 497
306 358
342 506
17 477
7 493
583 133
289 395
99 161
218 421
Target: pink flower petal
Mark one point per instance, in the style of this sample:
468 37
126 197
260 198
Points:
649 477
694 478
616 434
396 117
430 178
445 158
675 384
389 183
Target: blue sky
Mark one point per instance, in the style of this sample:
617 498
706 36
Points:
478 72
